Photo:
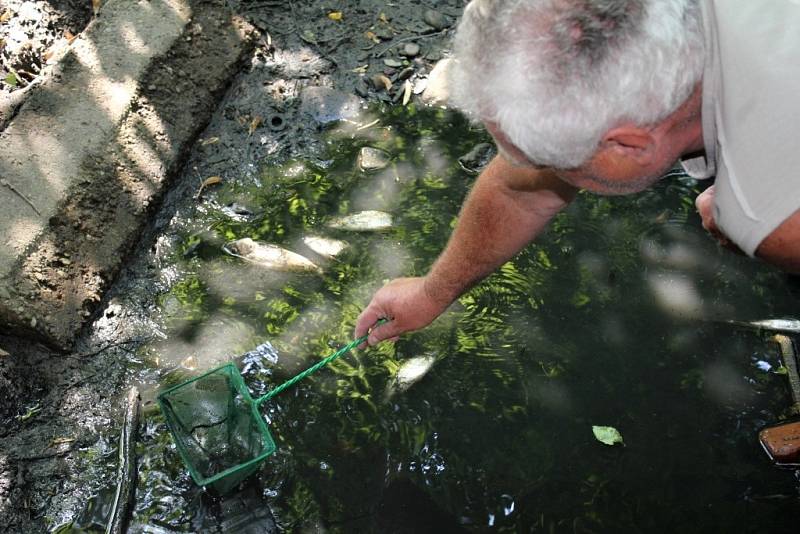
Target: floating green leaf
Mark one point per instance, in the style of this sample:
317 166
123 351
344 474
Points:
607 434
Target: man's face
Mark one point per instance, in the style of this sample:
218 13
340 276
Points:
613 178
606 173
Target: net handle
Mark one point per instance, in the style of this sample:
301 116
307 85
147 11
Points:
322 363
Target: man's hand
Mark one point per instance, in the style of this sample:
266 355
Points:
507 207
406 304
705 207
780 248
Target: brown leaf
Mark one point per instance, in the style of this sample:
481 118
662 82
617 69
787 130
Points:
211 180
254 124
387 83
209 141
6 16
372 37
96 5
335 15
383 18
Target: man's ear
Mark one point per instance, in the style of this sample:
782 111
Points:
630 142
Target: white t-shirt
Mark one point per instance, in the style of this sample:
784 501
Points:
751 115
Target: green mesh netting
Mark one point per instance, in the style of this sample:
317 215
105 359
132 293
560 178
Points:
217 427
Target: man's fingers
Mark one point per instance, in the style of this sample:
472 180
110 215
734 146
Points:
705 207
384 331
365 321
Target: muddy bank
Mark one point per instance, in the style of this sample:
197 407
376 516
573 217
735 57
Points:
314 64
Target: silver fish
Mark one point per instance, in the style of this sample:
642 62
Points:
790 326
363 221
410 372
270 256
325 247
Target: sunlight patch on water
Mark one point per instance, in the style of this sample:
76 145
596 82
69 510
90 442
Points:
677 295
379 192
391 258
209 343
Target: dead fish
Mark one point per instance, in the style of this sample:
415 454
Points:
410 372
791 326
325 247
270 256
363 221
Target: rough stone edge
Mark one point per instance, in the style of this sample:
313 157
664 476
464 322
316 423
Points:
33 308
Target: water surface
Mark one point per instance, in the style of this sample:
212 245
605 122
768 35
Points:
616 316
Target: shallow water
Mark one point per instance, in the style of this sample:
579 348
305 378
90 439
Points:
616 316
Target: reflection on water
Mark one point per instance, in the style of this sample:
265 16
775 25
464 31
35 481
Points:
612 318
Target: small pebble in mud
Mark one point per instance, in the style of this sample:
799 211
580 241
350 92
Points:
410 50
391 62
361 89
435 20
372 159
406 73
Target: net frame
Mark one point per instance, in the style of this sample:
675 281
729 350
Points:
223 480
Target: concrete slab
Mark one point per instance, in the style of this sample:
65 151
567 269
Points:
93 147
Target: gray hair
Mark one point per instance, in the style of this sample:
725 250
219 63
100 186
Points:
555 75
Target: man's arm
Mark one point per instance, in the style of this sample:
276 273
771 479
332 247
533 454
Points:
507 208
780 248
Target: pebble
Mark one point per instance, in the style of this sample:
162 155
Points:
410 50
435 20
383 33
372 159
406 73
391 62
361 89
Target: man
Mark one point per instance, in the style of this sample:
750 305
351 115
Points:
605 95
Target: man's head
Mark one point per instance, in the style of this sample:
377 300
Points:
596 88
